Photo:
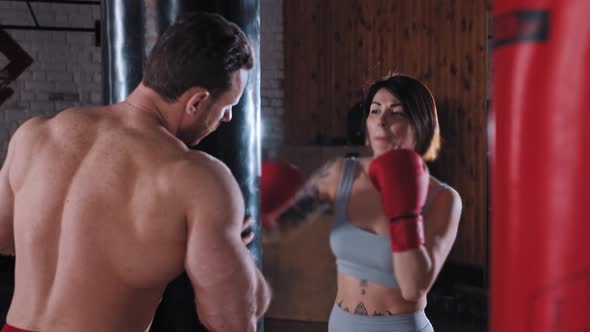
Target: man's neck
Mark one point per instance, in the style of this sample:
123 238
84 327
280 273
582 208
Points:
146 100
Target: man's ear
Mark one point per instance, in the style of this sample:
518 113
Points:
197 97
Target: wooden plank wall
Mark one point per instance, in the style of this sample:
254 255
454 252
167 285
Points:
334 48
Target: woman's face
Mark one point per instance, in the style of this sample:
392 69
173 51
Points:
388 124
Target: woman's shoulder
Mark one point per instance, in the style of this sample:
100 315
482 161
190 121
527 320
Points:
329 172
364 163
336 166
327 177
443 195
333 170
333 166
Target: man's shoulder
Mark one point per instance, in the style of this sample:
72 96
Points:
196 167
203 179
27 131
68 119
194 159
78 115
69 122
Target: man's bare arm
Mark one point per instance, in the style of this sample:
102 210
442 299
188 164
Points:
19 141
17 159
6 208
231 293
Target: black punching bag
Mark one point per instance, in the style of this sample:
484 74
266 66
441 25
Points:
122 48
129 32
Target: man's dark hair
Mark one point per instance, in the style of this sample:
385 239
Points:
200 49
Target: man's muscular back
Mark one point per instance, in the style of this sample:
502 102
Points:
100 218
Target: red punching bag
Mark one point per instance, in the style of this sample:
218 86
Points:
540 263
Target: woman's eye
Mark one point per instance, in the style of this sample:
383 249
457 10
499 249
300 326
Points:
374 111
398 114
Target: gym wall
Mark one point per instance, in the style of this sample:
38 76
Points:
67 65
335 48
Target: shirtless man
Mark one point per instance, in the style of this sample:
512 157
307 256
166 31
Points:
103 206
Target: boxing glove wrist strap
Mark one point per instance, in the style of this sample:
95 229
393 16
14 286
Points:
407 216
406 233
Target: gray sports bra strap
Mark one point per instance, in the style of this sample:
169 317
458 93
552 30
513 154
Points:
344 188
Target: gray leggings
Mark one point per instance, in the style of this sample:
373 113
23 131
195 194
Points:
342 321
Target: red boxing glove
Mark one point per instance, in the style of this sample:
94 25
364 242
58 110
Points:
402 178
279 182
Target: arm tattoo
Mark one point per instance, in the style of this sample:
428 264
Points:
361 310
308 202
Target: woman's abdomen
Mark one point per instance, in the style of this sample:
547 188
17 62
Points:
367 298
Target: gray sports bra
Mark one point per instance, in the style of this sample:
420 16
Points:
360 253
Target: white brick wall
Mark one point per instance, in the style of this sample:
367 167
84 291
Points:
66 69
272 72
68 65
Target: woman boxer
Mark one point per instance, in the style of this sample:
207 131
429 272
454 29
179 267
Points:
394 223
